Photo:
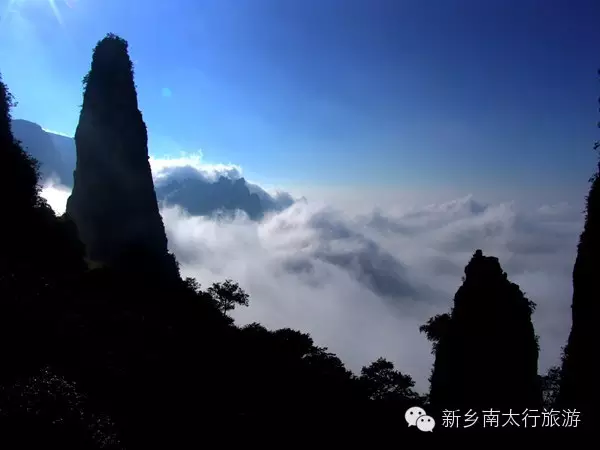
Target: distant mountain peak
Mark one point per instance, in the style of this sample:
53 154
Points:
185 186
39 144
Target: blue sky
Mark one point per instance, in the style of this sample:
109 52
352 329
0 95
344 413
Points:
378 93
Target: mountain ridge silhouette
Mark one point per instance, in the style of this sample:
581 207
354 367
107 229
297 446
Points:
196 194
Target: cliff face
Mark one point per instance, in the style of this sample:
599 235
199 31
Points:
578 376
579 371
113 202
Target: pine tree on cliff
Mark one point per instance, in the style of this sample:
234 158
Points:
486 350
578 388
113 202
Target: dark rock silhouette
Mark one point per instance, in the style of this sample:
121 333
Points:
579 361
113 202
486 351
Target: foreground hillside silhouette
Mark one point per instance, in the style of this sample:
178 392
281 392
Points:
105 346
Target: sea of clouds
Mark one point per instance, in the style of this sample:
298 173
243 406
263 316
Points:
362 282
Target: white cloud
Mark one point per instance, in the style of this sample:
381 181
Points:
56 195
362 284
190 165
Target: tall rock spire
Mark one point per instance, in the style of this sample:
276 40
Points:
113 202
486 351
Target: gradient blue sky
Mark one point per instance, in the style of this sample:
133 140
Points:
381 93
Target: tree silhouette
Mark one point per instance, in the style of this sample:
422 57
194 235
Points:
550 383
383 383
436 328
227 295
19 170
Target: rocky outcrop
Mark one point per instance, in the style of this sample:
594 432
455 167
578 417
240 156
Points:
577 390
113 202
486 349
578 375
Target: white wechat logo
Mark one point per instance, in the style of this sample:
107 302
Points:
416 416
425 423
